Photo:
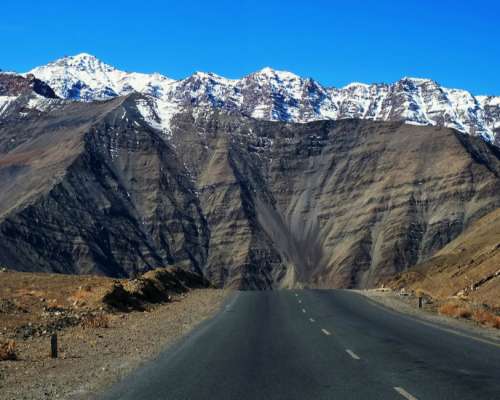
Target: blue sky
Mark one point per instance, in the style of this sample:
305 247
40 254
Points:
456 42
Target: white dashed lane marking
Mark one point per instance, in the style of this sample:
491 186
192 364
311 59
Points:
352 354
300 301
311 319
303 310
404 393
325 332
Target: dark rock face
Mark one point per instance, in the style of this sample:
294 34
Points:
15 85
102 194
247 203
332 203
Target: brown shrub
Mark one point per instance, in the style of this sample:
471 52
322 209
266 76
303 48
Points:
87 288
464 312
121 299
95 321
486 318
448 309
8 351
455 310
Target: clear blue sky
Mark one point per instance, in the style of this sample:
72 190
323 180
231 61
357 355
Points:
456 42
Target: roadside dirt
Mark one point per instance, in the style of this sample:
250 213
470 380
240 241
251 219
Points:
430 311
98 345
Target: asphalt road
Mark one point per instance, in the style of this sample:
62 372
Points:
317 344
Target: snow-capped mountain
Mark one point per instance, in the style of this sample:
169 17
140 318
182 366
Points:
84 77
277 95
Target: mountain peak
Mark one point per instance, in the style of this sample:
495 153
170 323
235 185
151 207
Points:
211 76
356 85
415 80
83 55
83 61
269 72
280 95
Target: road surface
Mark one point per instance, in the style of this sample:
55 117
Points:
317 344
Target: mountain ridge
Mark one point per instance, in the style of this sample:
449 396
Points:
218 177
247 203
281 95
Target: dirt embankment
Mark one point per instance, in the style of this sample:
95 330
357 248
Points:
105 328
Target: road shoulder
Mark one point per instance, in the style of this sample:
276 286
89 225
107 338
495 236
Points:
408 305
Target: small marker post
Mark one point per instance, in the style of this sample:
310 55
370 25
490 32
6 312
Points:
53 346
419 301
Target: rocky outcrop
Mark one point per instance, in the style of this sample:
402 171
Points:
155 286
15 85
246 203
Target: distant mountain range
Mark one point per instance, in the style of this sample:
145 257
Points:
278 96
264 182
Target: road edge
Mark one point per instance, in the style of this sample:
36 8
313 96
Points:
114 391
462 331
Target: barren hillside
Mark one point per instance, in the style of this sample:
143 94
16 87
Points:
93 188
468 267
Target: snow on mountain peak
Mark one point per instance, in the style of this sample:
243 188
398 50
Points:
84 77
83 61
210 76
416 80
280 95
271 73
83 56
355 85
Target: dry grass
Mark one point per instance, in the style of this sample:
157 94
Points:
81 296
8 351
486 318
455 310
95 321
36 292
479 315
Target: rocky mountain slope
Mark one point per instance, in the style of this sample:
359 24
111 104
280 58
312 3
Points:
468 267
340 204
280 96
249 203
60 171
19 95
